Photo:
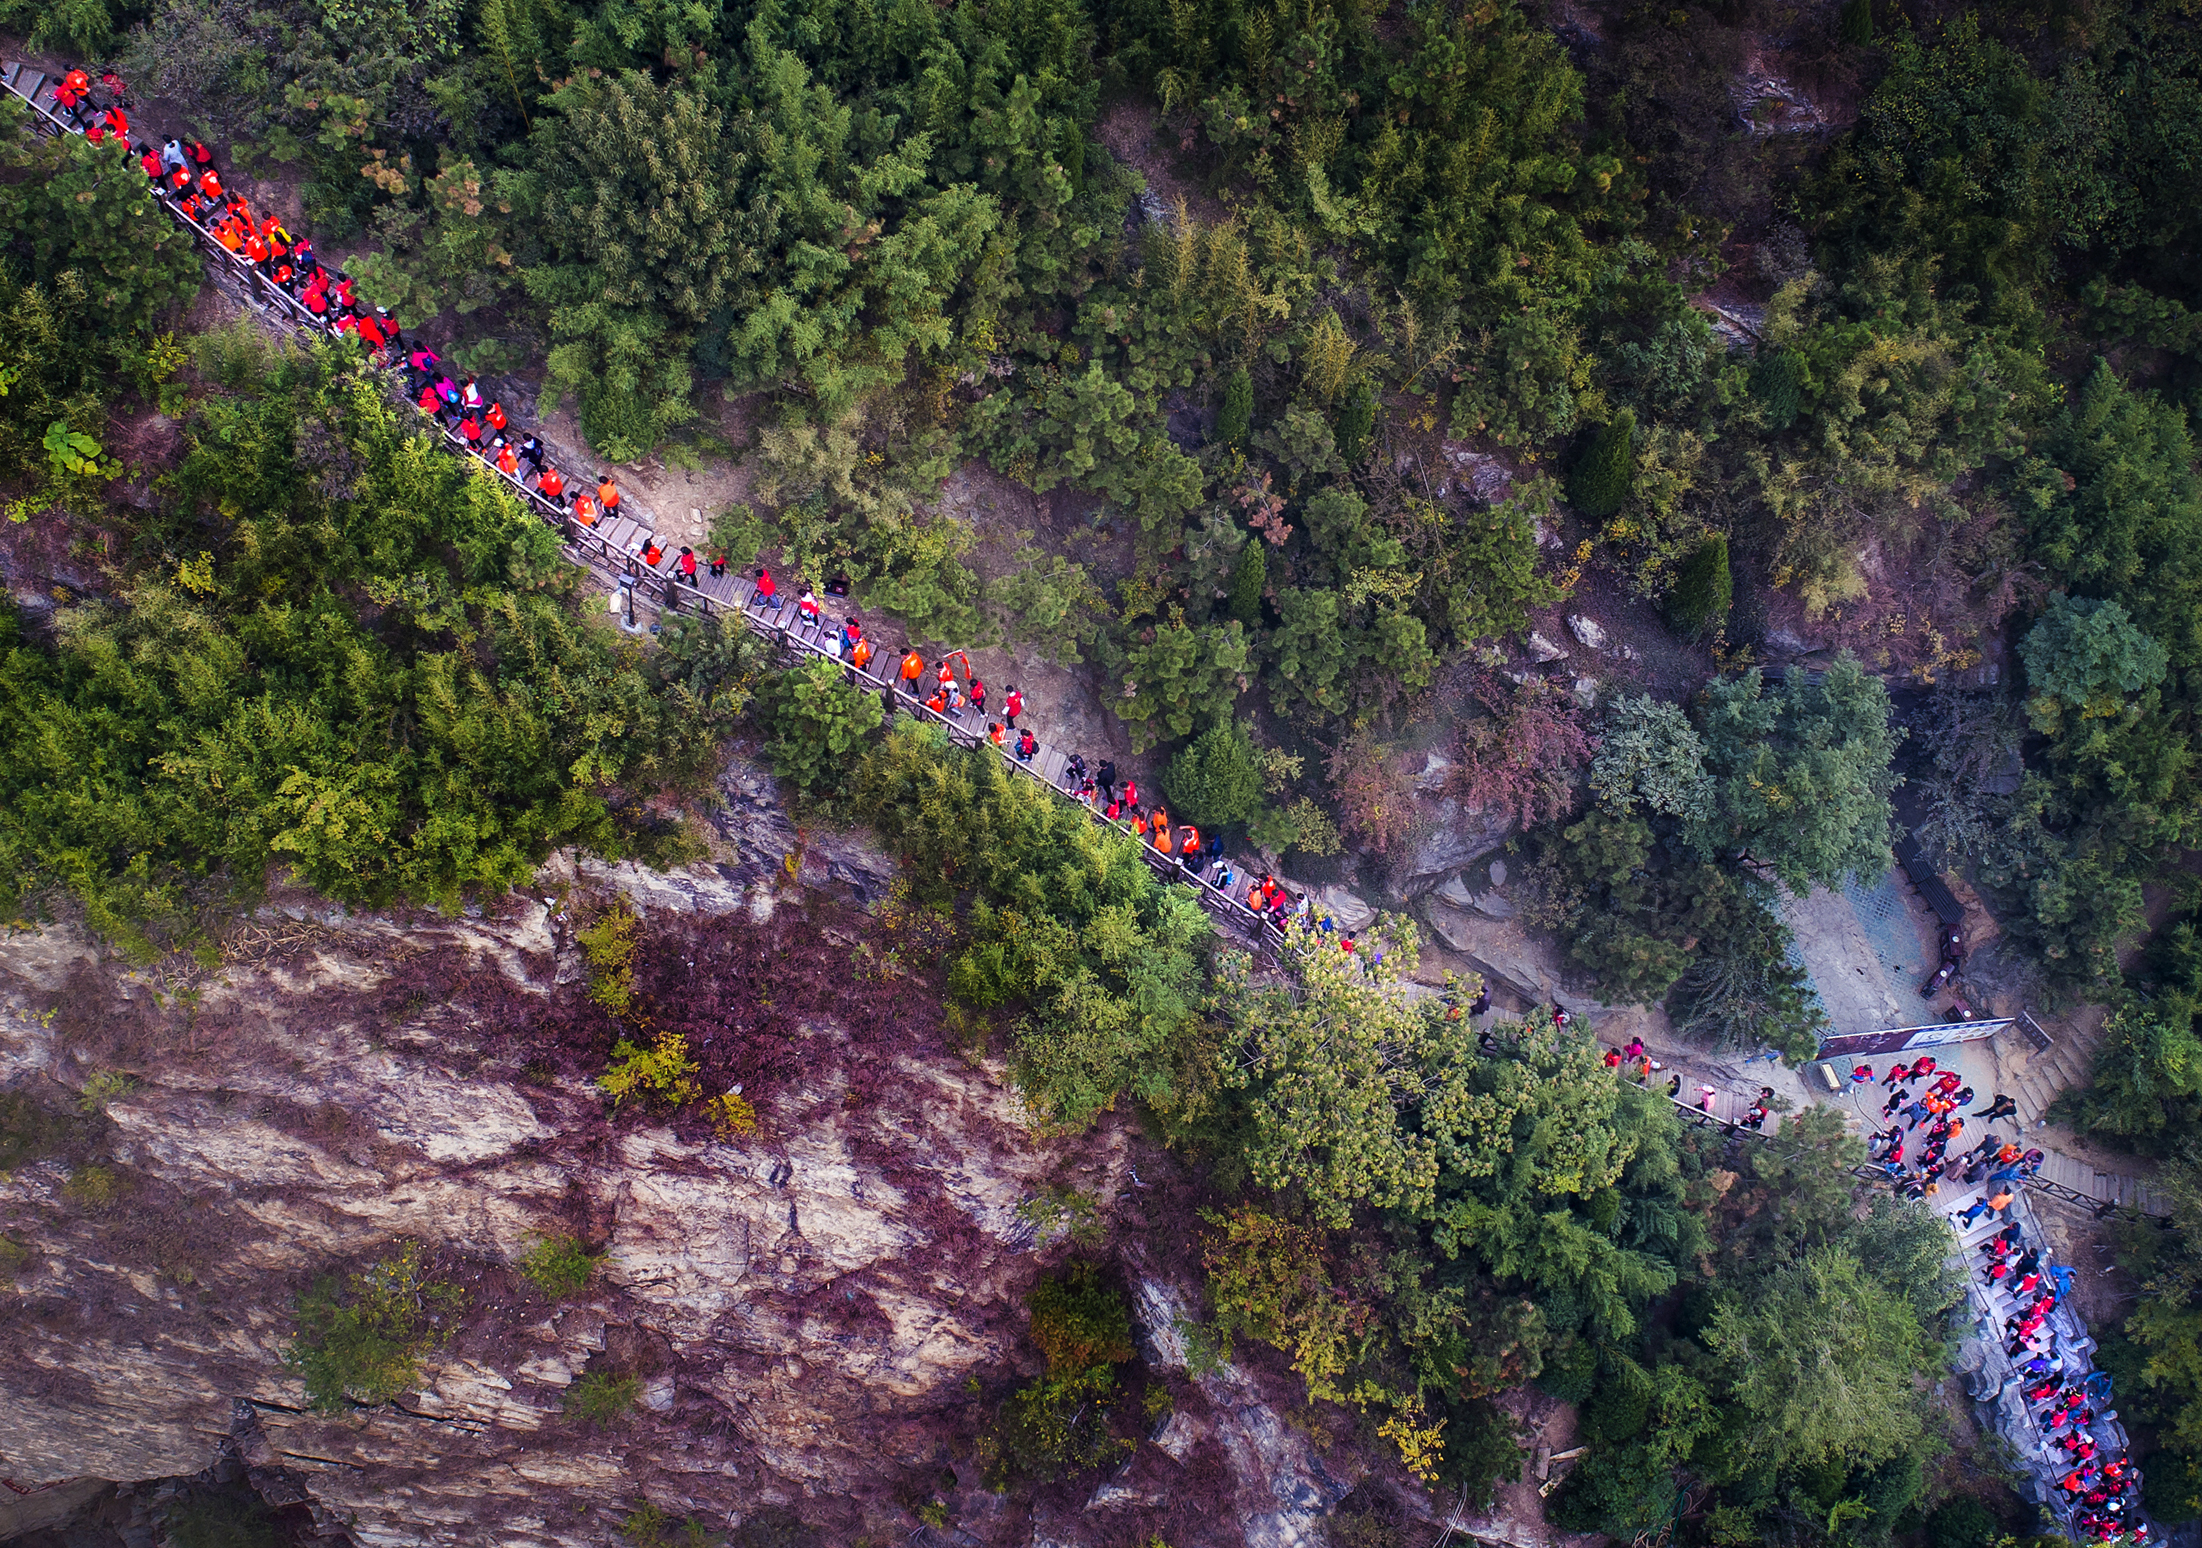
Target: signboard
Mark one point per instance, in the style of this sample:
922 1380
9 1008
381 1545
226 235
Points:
1903 1038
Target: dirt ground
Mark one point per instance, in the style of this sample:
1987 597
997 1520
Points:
1517 1514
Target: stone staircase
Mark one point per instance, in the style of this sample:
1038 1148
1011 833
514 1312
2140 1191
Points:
2057 1058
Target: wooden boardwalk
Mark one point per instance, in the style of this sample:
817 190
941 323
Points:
613 549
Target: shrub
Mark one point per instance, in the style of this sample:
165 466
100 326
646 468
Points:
94 1187
1249 578
1303 826
621 426
1062 1420
1237 414
1053 1426
1855 25
1375 798
602 1398
560 1266
1703 589
1079 1322
733 1116
608 945
1606 470
739 534
105 1086
818 720
1962 1522
1215 780
361 1340
1057 1210
14 1258
1520 759
650 1527
661 1072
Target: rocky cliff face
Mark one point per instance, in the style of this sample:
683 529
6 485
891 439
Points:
820 1317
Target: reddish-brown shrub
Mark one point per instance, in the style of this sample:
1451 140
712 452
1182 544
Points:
1523 757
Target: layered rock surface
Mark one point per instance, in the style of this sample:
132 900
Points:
813 1314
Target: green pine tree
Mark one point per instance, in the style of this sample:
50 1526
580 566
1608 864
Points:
1606 469
1238 409
1856 25
1248 578
1777 381
1356 423
1214 778
1703 590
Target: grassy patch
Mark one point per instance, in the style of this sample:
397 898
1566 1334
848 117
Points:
559 1266
602 1398
361 1340
95 1187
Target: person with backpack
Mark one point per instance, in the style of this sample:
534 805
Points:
1027 745
69 95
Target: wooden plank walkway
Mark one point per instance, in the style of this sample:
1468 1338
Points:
612 549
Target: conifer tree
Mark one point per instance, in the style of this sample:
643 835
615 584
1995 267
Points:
1356 423
1238 409
1704 589
1248 578
1606 469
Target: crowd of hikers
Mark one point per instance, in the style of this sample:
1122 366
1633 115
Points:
1934 1121
2065 1404
184 174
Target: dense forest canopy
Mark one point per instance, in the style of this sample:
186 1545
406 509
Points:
1258 290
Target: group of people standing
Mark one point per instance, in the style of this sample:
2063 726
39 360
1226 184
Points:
2064 1406
948 693
1933 1120
184 175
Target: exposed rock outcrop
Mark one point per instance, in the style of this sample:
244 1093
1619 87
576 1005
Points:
820 1318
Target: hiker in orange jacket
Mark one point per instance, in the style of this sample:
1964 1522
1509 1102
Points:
913 668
